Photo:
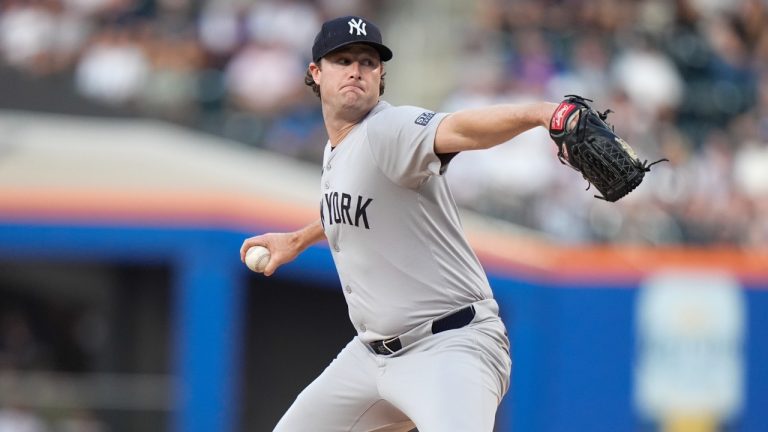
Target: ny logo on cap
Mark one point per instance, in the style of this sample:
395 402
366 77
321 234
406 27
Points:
358 25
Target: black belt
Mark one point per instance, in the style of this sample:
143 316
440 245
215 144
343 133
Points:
458 319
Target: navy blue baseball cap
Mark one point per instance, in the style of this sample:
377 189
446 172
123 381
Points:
346 30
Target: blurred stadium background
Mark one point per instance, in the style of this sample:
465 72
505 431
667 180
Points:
142 140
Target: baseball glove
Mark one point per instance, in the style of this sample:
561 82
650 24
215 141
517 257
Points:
592 148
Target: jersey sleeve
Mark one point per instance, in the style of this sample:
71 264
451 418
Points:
402 141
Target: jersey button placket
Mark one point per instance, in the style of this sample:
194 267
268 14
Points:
348 289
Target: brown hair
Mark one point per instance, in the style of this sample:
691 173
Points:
310 81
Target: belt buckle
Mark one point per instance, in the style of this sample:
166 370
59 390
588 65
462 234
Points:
381 347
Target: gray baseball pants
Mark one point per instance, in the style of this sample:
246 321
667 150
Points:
447 382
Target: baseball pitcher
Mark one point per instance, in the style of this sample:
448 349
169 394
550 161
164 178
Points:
431 351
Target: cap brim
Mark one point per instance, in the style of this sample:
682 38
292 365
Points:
385 54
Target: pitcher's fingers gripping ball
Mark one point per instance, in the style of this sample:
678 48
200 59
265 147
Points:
257 258
590 146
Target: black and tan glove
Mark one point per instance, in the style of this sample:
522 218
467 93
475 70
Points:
590 146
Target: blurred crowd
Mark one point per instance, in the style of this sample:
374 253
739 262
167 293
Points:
687 80
231 67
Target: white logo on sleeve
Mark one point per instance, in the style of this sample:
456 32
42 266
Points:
358 25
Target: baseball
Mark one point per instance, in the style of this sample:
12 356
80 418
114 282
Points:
256 258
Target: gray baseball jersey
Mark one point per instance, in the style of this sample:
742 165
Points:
403 261
393 226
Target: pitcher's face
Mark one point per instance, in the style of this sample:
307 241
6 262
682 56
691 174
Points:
349 79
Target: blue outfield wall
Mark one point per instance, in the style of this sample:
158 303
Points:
573 345
572 349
